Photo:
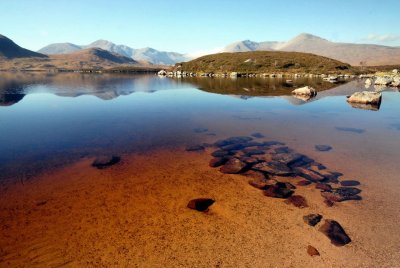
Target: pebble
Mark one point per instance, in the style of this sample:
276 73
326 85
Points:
312 219
200 204
312 251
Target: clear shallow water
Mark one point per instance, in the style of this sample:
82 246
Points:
48 120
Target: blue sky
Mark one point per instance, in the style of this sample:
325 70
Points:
190 26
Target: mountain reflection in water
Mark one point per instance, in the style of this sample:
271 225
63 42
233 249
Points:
42 127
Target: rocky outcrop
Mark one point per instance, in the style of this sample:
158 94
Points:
384 81
366 97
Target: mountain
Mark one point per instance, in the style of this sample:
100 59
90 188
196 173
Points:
59 48
149 55
109 46
16 58
95 55
247 45
354 54
158 57
10 50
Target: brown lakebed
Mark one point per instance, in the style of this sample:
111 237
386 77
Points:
134 212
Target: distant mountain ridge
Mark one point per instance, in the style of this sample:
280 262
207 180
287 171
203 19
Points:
149 55
354 54
14 57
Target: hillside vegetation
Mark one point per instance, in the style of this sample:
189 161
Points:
265 62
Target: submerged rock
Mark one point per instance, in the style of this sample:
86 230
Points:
297 200
221 153
309 174
350 183
275 168
323 148
335 232
251 152
271 143
248 159
258 179
312 251
278 190
233 140
287 158
257 135
200 204
200 130
351 129
312 219
256 175
232 147
304 183
324 187
366 97
105 161
233 166
305 91
347 191
194 148
341 195
218 161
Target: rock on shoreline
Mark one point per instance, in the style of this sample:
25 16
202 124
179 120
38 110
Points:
366 97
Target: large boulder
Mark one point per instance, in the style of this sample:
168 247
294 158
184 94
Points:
162 73
383 81
366 97
395 82
305 91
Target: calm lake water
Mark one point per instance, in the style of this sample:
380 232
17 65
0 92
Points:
48 120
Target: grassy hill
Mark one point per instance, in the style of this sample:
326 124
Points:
265 62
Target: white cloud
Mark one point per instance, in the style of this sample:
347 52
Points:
383 37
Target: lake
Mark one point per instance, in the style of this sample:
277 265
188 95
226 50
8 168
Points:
54 125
